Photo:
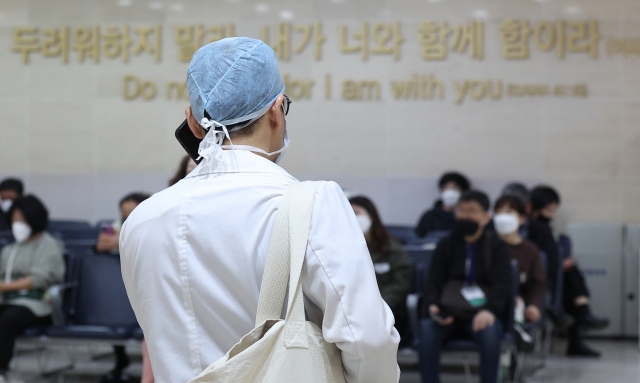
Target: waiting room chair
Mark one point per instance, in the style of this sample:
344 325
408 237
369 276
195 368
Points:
66 225
404 234
103 311
421 261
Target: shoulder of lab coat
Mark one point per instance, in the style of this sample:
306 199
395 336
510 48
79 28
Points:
339 278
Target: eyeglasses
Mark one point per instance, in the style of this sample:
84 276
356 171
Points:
286 103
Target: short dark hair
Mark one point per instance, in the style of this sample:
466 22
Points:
244 132
457 178
12 184
379 234
513 202
134 197
476 196
519 190
34 212
543 196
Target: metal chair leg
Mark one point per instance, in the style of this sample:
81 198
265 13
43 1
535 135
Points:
467 370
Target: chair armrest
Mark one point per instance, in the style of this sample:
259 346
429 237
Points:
413 311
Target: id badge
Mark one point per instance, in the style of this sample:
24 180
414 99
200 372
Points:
474 295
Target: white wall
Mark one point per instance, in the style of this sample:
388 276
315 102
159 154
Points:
68 130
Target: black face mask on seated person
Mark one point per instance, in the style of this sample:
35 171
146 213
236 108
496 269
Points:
466 227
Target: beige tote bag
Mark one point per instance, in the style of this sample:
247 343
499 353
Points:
290 350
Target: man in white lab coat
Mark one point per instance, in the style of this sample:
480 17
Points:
193 255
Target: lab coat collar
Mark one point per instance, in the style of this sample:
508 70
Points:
240 161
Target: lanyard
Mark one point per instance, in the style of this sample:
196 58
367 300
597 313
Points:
470 264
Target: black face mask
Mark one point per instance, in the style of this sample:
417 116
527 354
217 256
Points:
542 219
466 227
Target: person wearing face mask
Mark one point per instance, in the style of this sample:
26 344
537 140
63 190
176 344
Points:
545 202
28 268
467 290
10 190
193 255
537 232
510 214
440 217
390 262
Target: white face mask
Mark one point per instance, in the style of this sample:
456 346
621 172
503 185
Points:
21 231
506 223
5 205
365 222
450 197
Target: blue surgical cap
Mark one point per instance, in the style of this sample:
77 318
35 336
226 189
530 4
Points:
233 80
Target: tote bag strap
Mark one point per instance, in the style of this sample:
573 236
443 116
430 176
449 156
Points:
286 254
300 212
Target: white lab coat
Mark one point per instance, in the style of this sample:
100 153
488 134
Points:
192 262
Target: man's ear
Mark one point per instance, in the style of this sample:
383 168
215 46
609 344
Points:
276 115
194 126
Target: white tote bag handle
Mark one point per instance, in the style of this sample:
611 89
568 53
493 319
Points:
285 259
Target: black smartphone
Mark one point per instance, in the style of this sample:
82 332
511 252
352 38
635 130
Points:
189 142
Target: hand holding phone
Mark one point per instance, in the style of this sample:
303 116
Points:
438 317
107 229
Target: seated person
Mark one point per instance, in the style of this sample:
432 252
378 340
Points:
468 290
545 202
108 242
440 217
108 238
392 265
536 232
10 190
186 166
28 268
510 214
521 192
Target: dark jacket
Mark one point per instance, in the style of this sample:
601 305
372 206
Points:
435 219
542 236
4 222
394 274
449 261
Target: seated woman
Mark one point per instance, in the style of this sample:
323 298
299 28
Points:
510 214
392 265
28 268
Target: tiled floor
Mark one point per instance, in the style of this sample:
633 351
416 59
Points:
620 364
